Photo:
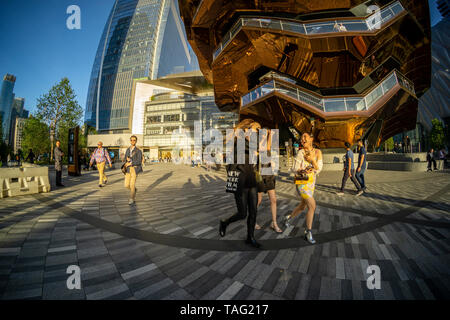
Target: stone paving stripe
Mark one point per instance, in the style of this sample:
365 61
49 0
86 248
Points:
231 291
139 271
9 251
61 249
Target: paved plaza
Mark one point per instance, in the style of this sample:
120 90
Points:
167 246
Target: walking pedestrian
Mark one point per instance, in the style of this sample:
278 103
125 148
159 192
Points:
408 144
349 172
442 157
267 183
30 157
307 165
58 163
362 156
430 159
101 155
246 193
133 166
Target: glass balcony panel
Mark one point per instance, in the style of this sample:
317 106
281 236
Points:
373 96
271 24
225 39
246 99
294 27
397 8
217 52
236 28
253 22
361 105
310 99
355 25
386 15
333 105
267 88
353 104
284 89
316 28
389 83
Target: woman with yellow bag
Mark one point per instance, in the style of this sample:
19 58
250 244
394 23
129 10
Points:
307 164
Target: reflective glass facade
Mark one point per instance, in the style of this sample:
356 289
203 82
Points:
6 104
141 39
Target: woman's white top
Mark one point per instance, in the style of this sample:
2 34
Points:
300 162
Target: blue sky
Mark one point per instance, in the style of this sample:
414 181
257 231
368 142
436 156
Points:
37 47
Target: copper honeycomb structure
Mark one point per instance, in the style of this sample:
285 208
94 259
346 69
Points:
342 69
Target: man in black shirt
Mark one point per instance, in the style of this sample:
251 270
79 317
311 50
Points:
362 156
30 157
430 159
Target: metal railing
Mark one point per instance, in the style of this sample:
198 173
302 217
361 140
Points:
330 104
375 21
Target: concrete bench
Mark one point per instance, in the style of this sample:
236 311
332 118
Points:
28 179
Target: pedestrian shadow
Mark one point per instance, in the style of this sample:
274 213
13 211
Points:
40 197
159 181
385 197
189 184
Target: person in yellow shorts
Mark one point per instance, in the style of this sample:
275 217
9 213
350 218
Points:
101 155
309 159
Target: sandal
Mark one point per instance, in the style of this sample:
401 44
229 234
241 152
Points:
277 229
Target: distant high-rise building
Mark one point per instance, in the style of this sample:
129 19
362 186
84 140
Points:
435 103
6 104
18 134
444 8
141 39
16 112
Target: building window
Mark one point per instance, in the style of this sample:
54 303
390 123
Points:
171 117
169 130
154 119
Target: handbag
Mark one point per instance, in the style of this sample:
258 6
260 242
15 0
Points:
301 177
123 168
232 180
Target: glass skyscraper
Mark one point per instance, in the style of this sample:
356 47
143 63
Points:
6 104
141 39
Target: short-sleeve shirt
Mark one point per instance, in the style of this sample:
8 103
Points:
361 152
349 156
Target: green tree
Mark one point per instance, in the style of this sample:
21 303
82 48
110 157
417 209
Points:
390 144
60 110
35 136
437 135
83 138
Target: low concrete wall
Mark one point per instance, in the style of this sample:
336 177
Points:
403 166
23 180
402 157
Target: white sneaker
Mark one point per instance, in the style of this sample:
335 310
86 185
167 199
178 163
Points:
360 192
130 202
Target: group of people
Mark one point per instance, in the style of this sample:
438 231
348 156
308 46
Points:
131 167
404 146
308 163
431 158
356 175
251 185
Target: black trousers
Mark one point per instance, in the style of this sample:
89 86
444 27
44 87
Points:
353 178
246 200
58 177
429 164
